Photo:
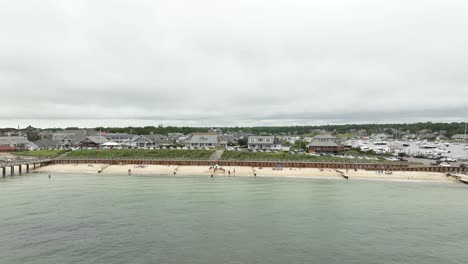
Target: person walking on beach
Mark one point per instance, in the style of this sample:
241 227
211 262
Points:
49 176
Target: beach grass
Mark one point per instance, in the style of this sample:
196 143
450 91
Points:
41 153
285 156
141 154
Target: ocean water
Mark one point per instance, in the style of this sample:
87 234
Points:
162 219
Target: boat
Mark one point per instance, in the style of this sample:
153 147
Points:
365 148
428 146
380 143
441 150
406 144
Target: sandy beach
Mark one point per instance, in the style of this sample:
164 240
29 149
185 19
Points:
243 172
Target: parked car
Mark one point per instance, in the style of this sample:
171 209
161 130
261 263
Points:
444 164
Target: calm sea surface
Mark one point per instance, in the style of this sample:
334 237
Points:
161 219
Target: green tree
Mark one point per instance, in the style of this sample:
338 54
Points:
242 142
300 144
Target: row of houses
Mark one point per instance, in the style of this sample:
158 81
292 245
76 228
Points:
105 141
321 143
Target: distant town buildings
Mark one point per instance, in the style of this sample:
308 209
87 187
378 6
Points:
323 141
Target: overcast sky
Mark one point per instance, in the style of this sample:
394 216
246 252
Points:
228 63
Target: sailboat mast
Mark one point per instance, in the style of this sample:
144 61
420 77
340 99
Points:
466 146
465 131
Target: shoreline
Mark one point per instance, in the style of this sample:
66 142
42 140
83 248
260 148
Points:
243 171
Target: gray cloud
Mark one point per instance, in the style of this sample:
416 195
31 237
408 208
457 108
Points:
87 63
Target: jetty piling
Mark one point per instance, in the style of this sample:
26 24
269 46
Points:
20 164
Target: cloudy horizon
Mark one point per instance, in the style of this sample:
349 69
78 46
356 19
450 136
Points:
232 63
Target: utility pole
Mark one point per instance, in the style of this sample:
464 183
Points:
466 146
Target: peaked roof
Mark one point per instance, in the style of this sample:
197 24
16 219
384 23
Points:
206 138
95 139
324 136
13 140
47 143
322 143
157 138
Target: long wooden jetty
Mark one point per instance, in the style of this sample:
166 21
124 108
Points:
26 164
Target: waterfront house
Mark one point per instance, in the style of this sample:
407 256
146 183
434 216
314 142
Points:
47 144
15 143
325 143
206 140
324 146
152 140
92 142
264 143
72 134
118 137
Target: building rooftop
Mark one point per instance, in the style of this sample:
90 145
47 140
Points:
321 143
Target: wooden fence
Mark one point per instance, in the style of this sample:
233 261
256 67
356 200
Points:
293 164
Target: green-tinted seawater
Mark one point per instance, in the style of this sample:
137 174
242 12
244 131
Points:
156 219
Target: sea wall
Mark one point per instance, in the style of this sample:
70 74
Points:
328 165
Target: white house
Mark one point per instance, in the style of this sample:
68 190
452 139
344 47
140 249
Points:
264 142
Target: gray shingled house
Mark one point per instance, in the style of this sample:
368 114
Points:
325 143
206 140
48 144
152 140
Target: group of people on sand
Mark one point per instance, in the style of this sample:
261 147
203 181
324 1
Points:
216 169
383 172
